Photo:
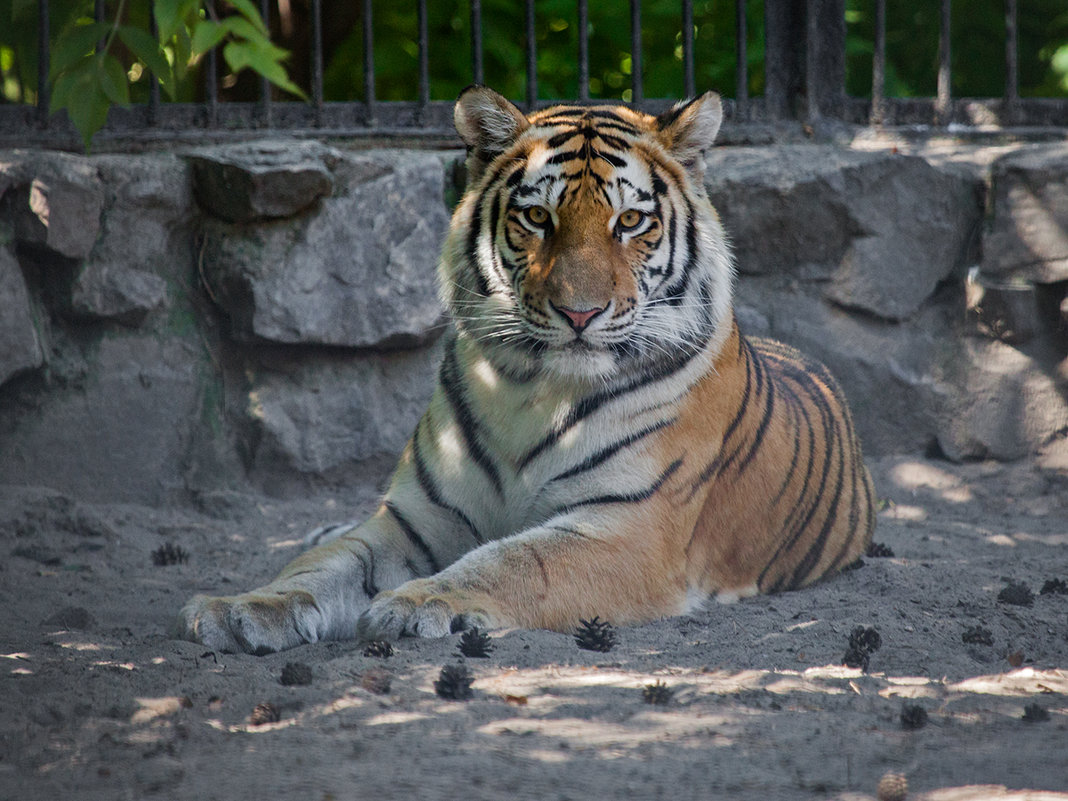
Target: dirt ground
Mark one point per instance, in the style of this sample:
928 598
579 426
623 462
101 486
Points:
99 703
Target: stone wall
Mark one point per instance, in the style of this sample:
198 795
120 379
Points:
264 316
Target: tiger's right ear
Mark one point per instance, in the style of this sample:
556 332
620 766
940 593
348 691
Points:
488 123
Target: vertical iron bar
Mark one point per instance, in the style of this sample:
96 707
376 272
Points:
368 63
636 88
265 85
741 66
583 52
1012 75
153 79
424 63
476 41
878 66
532 58
689 83
943 100
44 57
317 60
99 12
211 85
784 40
824 70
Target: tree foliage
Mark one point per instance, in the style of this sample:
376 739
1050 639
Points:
95 65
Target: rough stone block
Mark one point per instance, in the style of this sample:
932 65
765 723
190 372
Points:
262 180
882 229
20 347
1028 236
357 272
117 293
52 200
1006 403
322 414
147 232
119 434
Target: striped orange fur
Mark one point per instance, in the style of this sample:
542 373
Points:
603 440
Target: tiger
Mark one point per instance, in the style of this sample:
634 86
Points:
602 440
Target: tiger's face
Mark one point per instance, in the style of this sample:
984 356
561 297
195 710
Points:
585 246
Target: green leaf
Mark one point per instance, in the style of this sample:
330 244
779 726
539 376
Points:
172 16
61 91
247 54
183 52
251 13
87 104
74 44
206 35
146 48
113 80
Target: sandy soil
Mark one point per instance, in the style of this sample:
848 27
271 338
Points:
99 703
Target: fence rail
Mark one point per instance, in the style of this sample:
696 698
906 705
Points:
804 79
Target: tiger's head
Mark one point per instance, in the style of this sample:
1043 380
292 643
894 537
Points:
585 246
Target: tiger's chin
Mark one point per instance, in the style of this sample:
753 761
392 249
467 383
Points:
581 363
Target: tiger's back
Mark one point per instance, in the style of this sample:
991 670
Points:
789 499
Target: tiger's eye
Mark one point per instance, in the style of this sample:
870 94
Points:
537 215
630 219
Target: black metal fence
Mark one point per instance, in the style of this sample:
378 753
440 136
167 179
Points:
804 79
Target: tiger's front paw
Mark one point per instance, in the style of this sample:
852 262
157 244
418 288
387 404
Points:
423 608
256 622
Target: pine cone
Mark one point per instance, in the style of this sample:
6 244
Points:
657 693
475 644
454 683
595 635
379 648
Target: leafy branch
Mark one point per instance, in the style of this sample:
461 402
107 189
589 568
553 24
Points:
87 77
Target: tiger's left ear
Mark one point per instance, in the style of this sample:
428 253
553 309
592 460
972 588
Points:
488 123
689 129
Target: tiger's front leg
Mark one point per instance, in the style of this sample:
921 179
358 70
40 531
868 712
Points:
629 566
318 596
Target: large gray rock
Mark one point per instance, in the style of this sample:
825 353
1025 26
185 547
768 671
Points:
118 433
262 180
357 272
883 229
51 200
323 415
20 347
118 293
146 239
1028 236
1004 402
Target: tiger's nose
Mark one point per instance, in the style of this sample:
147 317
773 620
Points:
578 319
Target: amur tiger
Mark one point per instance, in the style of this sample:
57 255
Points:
602 440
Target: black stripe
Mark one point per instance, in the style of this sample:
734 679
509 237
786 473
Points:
815 552
762 428
430 487
806 380
591 403
630 497
791 402
608 452
414 538
452 383
615 161
792 529
568 155
370 589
